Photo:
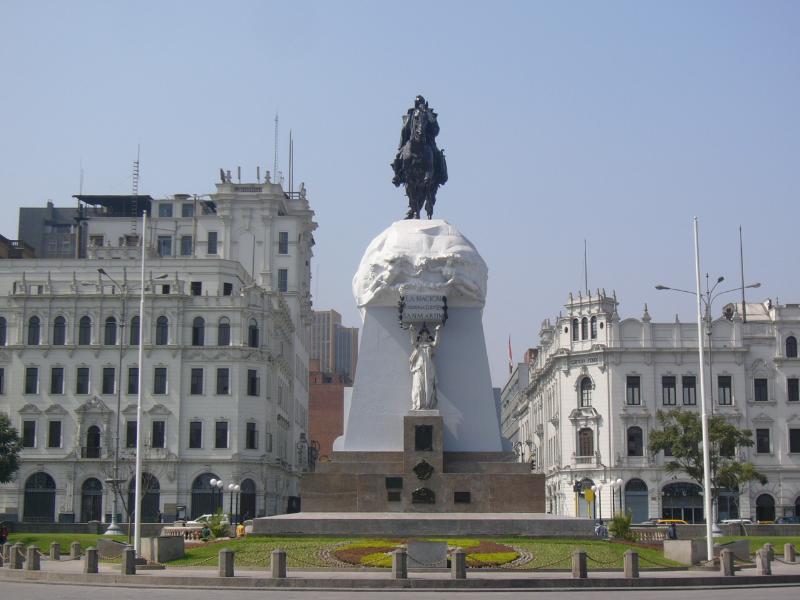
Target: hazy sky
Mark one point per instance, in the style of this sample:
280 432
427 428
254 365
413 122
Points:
611 121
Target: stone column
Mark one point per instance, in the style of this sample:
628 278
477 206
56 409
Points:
763 566
75 551
16 557
128 565
7 551
278 564
55 551
789 553
631 564
32 559
579 570
399 564
226 563
90 562
770 549
726 563
458 564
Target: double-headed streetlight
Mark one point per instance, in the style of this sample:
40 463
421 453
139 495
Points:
216 486
233 488
616 487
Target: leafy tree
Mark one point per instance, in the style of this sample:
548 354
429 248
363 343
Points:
681 432
10 446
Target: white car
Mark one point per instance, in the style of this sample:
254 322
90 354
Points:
204 520
736 522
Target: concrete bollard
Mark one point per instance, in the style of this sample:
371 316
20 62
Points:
75 551
789 553
726 563
458 564
278 564
7 551
90 561
631 564
226 563
128 565
16 556
770 551
55 551
763 565
32 562
579 570
400 564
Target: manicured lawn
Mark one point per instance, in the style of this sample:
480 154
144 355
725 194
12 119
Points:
757 541
42 540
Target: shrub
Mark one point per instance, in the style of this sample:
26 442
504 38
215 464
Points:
217 527
620 526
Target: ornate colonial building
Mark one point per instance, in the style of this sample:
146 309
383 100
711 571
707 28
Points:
225 370
584 419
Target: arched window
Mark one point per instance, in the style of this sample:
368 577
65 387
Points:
636 500
110 332
3 329
224 332
586 392
34 331
252 334
765 508
91 500
40 499
635 441
791 347
247 502
162 331
84 331
134 335
92 449
151 497
585 442
59 331
198 331
584 328
575 326
205 498
593 328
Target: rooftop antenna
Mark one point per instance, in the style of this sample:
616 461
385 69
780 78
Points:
291 163
741 271
585 269
80 186
275 157
135 187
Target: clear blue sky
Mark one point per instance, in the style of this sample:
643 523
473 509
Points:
611 121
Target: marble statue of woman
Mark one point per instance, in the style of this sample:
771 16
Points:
423 371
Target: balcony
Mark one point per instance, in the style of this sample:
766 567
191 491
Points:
91 452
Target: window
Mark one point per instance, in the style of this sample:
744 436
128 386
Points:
59 331
96 240
196 288
212 242
84 331
221 434
462 497
585 442
160 380
227 289
223 381
3 331
635 441
164 245
29 434
165 209
224 332
133 380
109 379
34 331
134 335
158 435
82 381
724 389
186 245
762 441
689 390
252 382
252 334
575 327
251 437
793 389
57 380
195 434
593 328
196 381
110 332
283 280
165 289
794 441
130 434
791 347
187 209
668 393
586 392
2 380
32 380
760 390
584 328
162 331
633 395
54 434
283 242
198 331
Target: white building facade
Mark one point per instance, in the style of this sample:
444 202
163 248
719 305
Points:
598 381
225 362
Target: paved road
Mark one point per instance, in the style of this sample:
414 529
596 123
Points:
40 591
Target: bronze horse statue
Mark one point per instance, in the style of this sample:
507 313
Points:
419 164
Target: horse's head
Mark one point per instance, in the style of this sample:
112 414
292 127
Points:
418 124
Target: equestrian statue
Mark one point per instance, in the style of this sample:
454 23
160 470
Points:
419 164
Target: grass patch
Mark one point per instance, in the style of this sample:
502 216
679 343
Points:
43 540
757 541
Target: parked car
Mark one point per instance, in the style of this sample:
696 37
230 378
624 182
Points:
669 521
205 520
788 520
736 522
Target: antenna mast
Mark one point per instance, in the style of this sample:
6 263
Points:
291 163
585 268
741 270
275 157
135 186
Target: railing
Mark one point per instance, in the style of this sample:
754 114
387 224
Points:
90 452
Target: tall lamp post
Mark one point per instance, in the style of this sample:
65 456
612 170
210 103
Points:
706 299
